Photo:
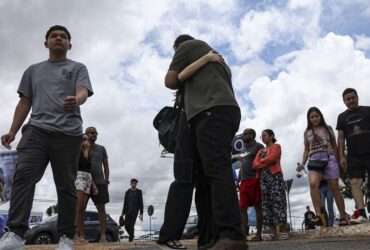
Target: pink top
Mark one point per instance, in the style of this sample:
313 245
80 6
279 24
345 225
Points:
268 157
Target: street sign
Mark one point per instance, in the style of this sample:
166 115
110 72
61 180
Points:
150 210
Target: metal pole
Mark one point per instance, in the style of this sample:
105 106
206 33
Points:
290 213
150 227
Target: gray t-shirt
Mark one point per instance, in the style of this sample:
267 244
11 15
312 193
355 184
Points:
98 155
47 84
210 86
246 170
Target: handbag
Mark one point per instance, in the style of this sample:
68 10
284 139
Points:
121 221
166 123
318 165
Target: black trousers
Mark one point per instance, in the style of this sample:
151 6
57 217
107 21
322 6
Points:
180 193
130 220
216 199
35 150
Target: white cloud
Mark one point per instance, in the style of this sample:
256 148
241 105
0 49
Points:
362 42
296 21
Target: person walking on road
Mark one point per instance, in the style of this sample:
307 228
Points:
54 89
100 175
353 127
132 207
320 150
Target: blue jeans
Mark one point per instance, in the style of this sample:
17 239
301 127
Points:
327 201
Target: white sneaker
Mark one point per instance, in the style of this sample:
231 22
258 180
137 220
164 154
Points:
65 243
359 220
11 241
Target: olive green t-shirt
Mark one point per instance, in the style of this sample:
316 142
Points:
210 86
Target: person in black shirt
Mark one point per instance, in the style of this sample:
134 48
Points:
353 127
308 219
180 193
83 185
133 204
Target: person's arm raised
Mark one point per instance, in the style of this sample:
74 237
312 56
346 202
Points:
170 80
191 69
71 102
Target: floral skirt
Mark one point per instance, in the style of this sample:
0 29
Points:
274 203
83 182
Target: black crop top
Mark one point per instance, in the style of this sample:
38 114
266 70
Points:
84 164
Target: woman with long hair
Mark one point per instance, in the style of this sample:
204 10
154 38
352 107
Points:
320 149
274 203
84 186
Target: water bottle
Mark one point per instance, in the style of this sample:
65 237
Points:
300 170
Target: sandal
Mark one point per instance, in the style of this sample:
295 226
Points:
344 221
180 245
173 244
319 220
256 238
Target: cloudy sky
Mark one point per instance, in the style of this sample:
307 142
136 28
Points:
286 55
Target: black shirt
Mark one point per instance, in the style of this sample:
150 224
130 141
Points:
133 202
84 164
355 125
308 216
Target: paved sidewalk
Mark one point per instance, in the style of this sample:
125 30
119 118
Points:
356 243
338 238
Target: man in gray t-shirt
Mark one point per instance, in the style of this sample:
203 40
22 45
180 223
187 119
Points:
100 175
48 83
249 187
53 89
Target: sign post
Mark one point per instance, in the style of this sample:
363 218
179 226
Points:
150 213
288 186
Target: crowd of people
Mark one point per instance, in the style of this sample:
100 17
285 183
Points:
209 113
209 119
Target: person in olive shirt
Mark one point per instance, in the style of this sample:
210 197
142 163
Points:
354 132
100 175
214 117
133 204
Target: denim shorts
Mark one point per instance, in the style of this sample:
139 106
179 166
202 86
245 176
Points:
331 171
